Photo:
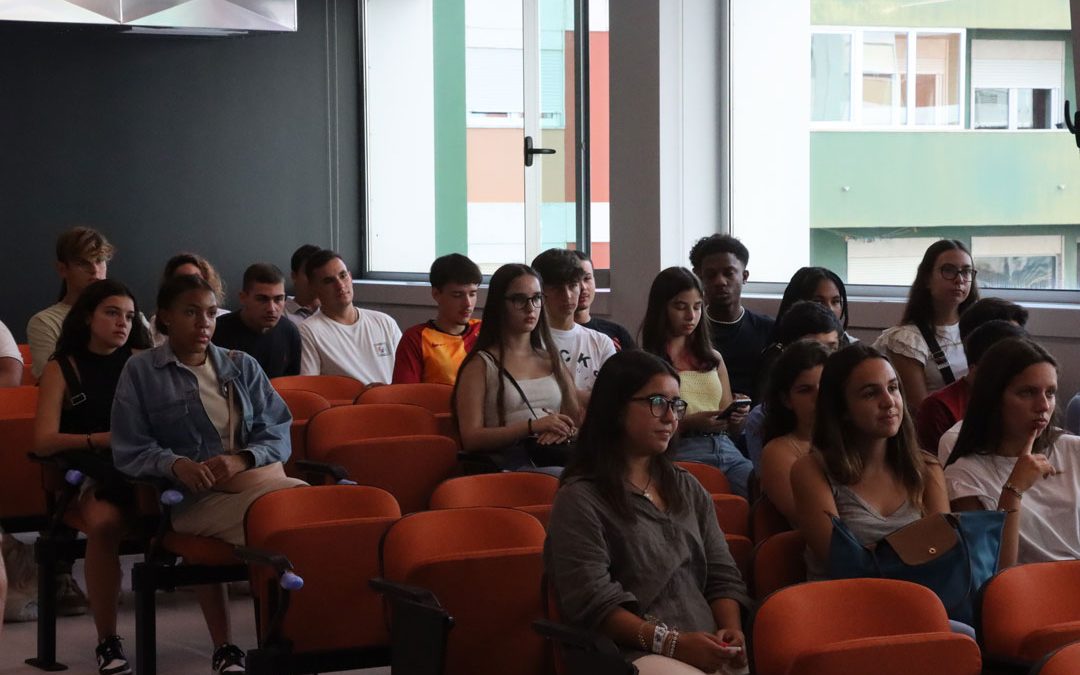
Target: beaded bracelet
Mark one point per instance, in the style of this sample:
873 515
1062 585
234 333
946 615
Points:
674 641
641 636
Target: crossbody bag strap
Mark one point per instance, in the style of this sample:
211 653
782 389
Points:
76 393
936 353
506 373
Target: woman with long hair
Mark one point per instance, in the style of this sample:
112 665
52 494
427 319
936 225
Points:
944 287
183 264
513 384
1010 440
76 391
673 330
820 285
634 550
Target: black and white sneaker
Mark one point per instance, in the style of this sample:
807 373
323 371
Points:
229 659
110 657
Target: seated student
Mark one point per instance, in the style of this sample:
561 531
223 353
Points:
634 551
1009 443
342 339
98 337
944 408
584 350
304 301
82 257
207 419
513 384
943 289
11 362
739 334
864 465
673 330
791 399
433 351
583 316
257 328
183 264
820 285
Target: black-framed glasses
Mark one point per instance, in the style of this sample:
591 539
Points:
521 301
659 404
950 272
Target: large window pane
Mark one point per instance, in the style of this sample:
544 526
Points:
884 73
1034 109
830 77
937 79
991 108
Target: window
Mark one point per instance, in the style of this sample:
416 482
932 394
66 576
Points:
1017 84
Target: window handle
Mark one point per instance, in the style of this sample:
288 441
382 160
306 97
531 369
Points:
530 151
1070 122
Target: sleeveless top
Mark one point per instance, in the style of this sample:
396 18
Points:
97 376
542 392
701 390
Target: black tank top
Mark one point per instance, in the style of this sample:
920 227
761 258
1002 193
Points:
97 379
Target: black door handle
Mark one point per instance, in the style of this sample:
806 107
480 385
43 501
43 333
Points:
530 151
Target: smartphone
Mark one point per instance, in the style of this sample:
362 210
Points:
731 649
737 404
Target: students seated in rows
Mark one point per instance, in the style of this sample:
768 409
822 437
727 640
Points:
1011 456
304 301
791 402
737 333
634 551
257 328
943 289
433 351
943 410
583 314
77 387
207 419
584 350
82 257
820 285
673 330
183 264
342 339
513 385
11 362
865 465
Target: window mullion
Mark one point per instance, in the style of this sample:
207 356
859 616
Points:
911 61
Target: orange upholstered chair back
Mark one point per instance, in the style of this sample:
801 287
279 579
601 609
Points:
343 424
408 467
303 405
766 520
1030 610
742 550
496 489
16 401
485 567
434 397
778 563
733 514
1064 661
711 478
22 494
336 389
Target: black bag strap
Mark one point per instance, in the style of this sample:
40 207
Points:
76 393
506 373
937 354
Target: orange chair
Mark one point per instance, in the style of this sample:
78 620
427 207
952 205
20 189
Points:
1030 610
434 397
1064 661
879 626
24 507
408 467
28 378
711 478
15 401
344 424
477 570
303 405
778 563
742 550
337 389
292 531
733 514
532 493
766 520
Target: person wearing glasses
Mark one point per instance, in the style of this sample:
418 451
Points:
926 347
673 330
634 551
513 385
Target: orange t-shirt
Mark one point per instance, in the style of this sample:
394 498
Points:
426 354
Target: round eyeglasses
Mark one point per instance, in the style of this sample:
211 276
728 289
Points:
521 301
950 272
658 405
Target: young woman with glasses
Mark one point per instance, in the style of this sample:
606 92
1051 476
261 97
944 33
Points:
513 385
634 551
944 287
673 330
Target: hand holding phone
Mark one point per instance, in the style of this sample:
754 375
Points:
739 404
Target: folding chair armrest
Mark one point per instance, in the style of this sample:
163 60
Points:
584 652
394 590
314 469
257 556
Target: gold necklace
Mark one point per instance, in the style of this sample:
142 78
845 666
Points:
645 490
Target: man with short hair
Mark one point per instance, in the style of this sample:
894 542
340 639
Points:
304 302
257 328
737 333
584 350
582 315
82 257
11 363
342 339
433 351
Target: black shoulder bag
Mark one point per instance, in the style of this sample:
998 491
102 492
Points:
937 354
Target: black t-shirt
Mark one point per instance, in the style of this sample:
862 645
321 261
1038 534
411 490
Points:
619 335
277 350
740 344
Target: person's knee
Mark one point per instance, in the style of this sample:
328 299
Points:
103 520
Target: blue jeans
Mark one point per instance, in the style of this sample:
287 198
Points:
718 450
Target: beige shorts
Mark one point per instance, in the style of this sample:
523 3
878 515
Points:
221 514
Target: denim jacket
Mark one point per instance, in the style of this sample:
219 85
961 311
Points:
158 417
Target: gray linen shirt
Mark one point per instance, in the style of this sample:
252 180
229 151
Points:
667 565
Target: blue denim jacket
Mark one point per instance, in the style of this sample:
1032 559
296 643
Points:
158 417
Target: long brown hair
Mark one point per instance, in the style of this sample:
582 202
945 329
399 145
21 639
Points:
919 310
655 331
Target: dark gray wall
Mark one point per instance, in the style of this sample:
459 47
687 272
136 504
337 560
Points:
239 148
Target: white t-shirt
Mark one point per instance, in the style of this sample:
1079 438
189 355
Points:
948 442
1049 511
583 350
42 332
907 341
363 350
9 349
